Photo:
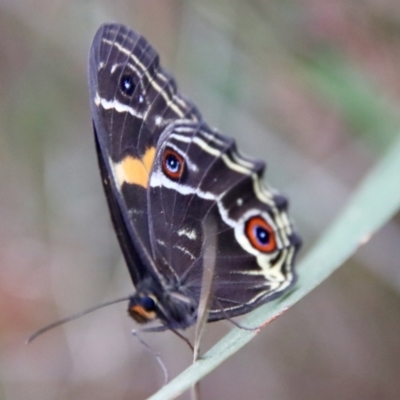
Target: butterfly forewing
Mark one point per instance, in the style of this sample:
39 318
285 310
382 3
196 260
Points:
128 123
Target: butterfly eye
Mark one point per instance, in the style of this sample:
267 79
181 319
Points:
148 303
172 164
127 85
260 234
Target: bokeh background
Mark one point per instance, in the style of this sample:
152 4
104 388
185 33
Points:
313 87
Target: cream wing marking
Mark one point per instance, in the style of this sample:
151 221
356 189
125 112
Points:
115 105
189 233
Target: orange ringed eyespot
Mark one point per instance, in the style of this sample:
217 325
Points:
172 164
260 234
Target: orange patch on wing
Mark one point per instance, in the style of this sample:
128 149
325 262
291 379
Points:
135 171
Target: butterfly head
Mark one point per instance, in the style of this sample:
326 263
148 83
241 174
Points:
173 309
143 308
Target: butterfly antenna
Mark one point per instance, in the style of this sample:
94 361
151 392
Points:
73 317
155 354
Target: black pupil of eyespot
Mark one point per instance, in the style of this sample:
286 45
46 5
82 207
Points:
172 163
148 303
262 235
127 85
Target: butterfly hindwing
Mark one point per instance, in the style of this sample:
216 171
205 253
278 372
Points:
216 180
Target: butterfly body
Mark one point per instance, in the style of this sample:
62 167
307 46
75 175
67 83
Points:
165 172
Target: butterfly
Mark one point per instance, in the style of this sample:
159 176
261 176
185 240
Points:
165 172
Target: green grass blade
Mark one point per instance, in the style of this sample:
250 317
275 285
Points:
373 117
374 202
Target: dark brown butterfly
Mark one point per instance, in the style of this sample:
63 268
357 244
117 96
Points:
164 172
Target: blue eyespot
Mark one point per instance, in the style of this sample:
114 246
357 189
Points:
127 85
262 235
172 164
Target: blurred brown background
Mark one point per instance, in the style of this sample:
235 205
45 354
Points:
313 87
